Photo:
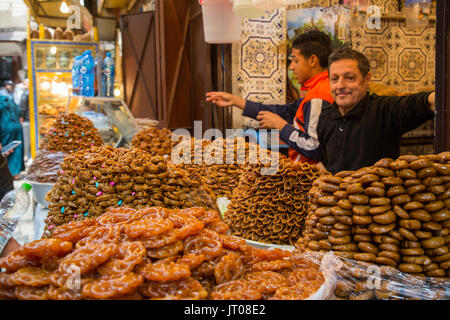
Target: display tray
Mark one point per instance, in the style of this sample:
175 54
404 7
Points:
262 245
40 189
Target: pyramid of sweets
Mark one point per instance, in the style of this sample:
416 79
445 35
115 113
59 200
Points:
188 155
157 142
220 163
394 213
226 160
153 253
93 180
272 208
70 133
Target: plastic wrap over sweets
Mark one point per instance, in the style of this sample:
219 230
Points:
358 280
329 265
394 213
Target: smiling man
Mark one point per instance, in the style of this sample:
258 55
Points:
296 121
360 128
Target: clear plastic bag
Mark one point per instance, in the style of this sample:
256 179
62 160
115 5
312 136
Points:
356 280
329 264
348 279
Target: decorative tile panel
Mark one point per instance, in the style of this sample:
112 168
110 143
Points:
259 62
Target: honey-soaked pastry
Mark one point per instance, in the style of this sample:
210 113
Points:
236 290
102 289
189 289
268 281
229 268
220 163
97 259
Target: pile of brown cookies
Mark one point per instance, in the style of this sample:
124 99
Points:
272 208
394 213
94 180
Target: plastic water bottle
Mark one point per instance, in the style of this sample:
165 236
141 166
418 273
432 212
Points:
12 207
87 74
108 76
76 76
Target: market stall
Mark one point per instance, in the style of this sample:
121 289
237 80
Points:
132 209
51 81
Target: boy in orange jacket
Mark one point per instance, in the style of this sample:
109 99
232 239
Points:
296 121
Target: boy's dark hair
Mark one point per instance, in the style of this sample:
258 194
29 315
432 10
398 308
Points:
316 43
349 53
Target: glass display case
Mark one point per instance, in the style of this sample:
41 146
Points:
50 81
111 116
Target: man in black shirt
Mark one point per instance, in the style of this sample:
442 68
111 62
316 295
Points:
360 128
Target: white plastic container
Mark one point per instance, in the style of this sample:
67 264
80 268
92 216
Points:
220 23
246 9
40 189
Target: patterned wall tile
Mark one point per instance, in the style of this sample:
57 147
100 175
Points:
259 62
378 58
408 54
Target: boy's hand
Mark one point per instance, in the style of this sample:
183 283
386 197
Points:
224 99
270 120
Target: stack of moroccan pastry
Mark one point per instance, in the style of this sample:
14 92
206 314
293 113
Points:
46 166
393 213
225 160
272 208
153 253
189 157
219 164
92 181
157 142
70 133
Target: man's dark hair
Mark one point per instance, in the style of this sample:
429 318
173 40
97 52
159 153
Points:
316 43
349 53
